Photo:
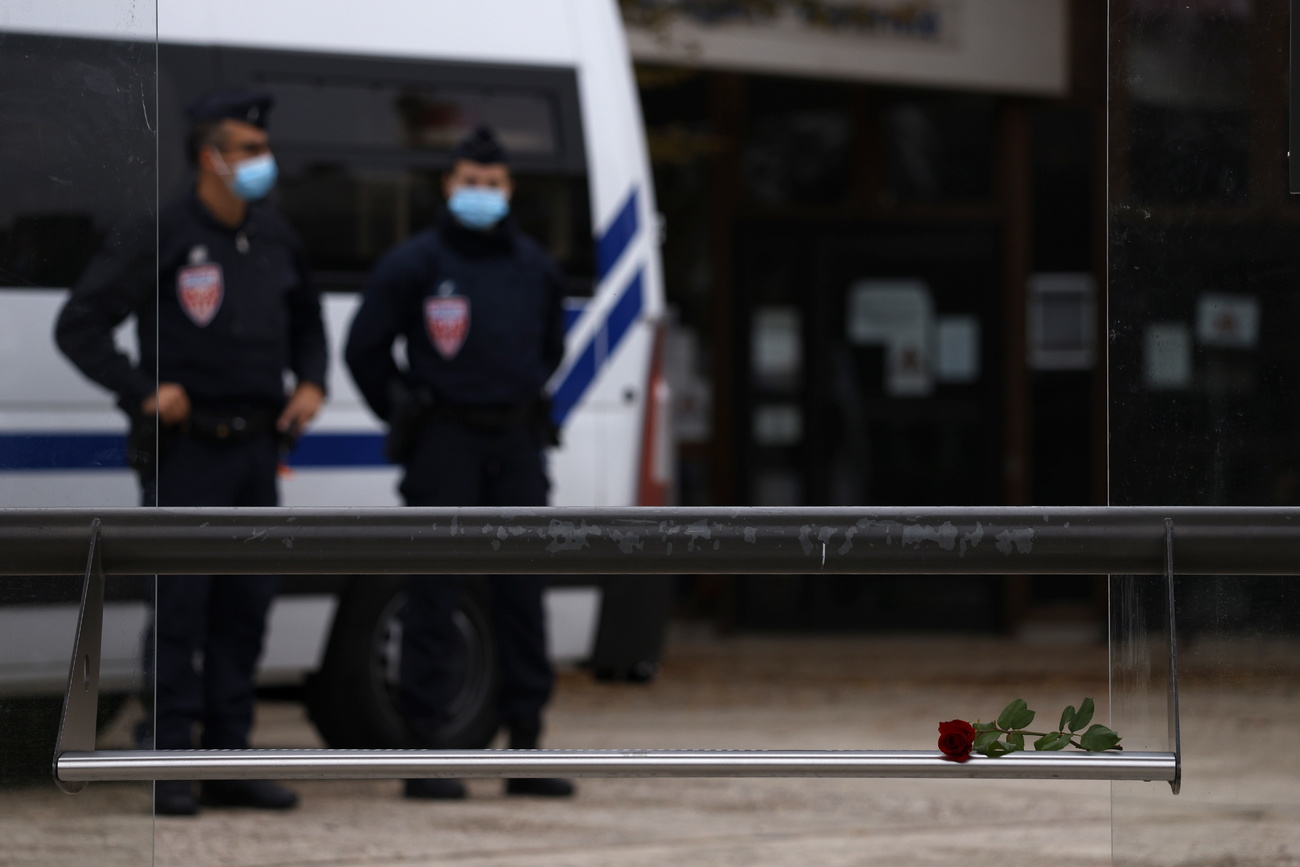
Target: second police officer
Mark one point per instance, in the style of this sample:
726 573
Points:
478 304
234 311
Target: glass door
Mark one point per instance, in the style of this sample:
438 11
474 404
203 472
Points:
1204 409
78 173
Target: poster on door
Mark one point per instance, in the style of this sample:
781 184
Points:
898 315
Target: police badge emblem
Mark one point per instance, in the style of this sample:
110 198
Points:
447 320
200 288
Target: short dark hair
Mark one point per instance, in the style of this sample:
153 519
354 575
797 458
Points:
200 136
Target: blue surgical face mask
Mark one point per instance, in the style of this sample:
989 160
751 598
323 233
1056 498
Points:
253 178
478 207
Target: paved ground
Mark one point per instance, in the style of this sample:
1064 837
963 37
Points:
1241 808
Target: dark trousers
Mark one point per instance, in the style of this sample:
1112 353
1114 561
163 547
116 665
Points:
455 465
209 630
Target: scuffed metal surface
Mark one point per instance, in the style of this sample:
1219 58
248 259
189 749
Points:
967 540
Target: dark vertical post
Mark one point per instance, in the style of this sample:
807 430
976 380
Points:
727 108
1273 119
1016 203
727 95
1293 116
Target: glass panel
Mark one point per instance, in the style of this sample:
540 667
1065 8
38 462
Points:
387 116
78 171
349 215
1204 376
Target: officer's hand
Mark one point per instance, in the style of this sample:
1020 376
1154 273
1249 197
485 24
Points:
302 408
170 402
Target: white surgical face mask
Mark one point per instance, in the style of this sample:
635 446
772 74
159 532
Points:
478 207
251 179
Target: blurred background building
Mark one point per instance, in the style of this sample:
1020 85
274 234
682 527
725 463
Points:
884 233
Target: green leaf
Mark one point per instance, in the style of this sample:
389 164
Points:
1024 719
1053 742
1099 738
1011 713
1016 740
1083 717
995 749
1066 716
985 727
983 739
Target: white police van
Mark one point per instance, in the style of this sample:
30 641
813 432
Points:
370 97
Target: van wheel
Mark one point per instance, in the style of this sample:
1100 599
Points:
353 699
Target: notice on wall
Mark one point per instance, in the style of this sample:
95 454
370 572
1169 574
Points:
776 347
899 315
778 425
1227 321
957 349
1167 356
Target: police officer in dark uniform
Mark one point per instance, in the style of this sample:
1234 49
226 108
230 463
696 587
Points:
479 306
234 310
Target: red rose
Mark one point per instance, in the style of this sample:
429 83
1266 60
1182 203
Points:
955 739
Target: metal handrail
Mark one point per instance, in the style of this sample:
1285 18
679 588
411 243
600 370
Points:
975 540
956 540
397 764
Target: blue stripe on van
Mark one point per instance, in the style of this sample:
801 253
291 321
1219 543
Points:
573 310
575 383
625 311
107 451
611 246
62 451
339 450
602 345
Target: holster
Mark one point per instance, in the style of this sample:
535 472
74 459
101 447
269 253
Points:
407 417
146 442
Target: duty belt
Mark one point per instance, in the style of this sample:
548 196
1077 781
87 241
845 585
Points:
486 417
229 427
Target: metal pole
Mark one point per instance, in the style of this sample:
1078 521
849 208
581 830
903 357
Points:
405 764
955 541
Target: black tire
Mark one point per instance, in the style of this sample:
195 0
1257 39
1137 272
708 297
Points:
353 699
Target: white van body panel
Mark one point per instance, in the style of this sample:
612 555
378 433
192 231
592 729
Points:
609 347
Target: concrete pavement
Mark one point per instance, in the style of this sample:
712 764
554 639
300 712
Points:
1241 806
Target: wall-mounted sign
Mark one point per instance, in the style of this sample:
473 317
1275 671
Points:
776 347
1227 321
898 314
957 348
1062 321
1167 356
1005 46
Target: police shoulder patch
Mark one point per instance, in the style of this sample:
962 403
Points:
200 289
446 318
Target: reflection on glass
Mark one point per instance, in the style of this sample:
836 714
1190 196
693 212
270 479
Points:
349 214
389 114
1204 394
76 164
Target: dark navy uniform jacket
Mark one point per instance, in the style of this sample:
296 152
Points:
480 312
234 309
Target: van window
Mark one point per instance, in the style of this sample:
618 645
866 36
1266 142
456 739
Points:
366 116
64 187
